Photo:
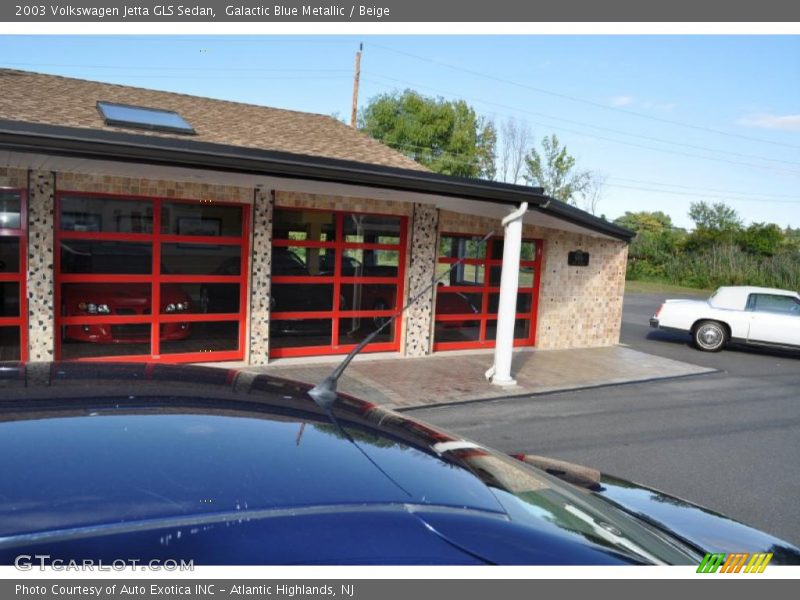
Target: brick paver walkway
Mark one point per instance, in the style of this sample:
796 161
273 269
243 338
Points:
449 378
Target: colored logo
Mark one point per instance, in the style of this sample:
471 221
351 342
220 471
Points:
734 563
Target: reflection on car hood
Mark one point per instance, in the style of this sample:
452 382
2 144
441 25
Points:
703 528
144 451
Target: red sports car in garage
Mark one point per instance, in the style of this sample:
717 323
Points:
98 299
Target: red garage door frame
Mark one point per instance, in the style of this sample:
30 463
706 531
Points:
337 280
155 280
485 289
20 321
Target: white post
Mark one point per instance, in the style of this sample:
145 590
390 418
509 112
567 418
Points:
500 373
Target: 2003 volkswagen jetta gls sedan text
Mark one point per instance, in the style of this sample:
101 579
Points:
106 461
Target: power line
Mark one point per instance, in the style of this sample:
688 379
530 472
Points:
584 100
663 150
692 187
710 196
598 127
720 195
163 68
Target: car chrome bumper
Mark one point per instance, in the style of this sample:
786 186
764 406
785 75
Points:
654 322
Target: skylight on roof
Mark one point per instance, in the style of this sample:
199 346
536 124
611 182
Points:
123 115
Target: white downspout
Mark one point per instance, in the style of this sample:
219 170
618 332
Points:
500 372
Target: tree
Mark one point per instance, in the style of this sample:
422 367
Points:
715 217
715 224
644 221
554 170
515 141
657 240
761 238
446 136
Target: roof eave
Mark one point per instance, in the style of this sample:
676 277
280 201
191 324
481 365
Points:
111 145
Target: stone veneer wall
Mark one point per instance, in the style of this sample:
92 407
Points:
105 184
13 178
578 306
260 284
422 265
41 311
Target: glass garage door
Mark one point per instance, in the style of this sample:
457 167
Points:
13 249
336 277
467 299
150 279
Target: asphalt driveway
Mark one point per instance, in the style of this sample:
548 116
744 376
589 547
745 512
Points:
728 440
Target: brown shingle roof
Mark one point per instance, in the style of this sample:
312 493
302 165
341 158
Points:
56 100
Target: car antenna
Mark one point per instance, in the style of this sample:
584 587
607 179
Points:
324 393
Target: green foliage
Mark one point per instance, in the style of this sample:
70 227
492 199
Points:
761 238
720 251
555 170
644 221
446 136
714 217
730 265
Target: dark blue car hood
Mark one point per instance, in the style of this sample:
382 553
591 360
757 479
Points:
228 467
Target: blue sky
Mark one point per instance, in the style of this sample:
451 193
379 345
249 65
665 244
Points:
667 120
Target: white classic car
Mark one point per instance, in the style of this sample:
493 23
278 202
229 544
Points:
742 314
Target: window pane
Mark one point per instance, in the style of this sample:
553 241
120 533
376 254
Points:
301 297
456 303
10 203
527 250
525 276
184 218
9 255
371 229
193 298
462 247
522 328
141 116
9 299
298 261
9 343
460 274
102 339
776 304
457 331
352 331
307 225
219 336
200 259
106 214
296 333
370 263
368 297
93 256
91 299
524 302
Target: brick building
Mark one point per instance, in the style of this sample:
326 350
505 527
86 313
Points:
145 225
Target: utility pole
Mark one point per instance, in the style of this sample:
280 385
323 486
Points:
356 77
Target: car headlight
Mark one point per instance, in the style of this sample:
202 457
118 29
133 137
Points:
170 308
181 306
94 309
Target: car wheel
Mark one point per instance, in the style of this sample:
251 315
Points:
710 336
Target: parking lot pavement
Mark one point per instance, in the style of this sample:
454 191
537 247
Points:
729 441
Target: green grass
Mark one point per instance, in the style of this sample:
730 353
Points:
660 287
